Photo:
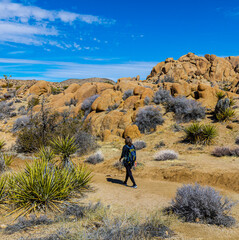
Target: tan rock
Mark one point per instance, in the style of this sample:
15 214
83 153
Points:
139 90
148 92
132 131
72 88
41 87
130 102
106 135
108 98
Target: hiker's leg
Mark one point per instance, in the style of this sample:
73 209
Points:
131 176
127 175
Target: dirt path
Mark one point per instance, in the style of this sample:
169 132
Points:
151 195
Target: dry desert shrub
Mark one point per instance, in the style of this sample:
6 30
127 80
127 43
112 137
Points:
148 118
162 96
95 158
86 105
225 151
140 144
195 203
185 110
128 93
165 155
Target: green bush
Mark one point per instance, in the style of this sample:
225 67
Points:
200 134
55 90
33 102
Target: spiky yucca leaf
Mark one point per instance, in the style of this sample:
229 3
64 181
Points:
83 178
2 144
220 95
209 132
225 115
232 102
40 187
3 192
46 154
8 159
65 147
202 134
193 132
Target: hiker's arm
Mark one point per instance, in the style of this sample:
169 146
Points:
122 154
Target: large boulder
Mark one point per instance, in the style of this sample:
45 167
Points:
108 98
40 88
132 131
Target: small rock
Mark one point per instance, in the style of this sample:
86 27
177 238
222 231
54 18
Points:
3 226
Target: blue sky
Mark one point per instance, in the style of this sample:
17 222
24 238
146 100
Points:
56 40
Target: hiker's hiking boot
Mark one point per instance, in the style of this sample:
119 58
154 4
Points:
135 186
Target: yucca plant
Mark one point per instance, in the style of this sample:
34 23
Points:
46 154
232 102
193 133
2 144
65 147
225 115
209 132
220 95
82 179
202 134
8 159
40 187
3 192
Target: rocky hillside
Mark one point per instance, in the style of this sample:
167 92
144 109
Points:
86 80
111 109
192 68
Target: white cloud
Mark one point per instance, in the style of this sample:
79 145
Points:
16 52
20 29
16 11
64 70
24 33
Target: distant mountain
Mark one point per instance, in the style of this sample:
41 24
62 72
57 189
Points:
87 80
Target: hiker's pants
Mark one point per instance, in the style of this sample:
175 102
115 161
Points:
129 174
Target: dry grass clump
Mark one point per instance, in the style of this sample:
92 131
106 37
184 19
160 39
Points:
165 155
194 203
24 223
225 151
139 144
95 158
109 227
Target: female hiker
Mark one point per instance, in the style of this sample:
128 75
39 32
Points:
129 157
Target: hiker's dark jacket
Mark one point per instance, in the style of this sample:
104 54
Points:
125 151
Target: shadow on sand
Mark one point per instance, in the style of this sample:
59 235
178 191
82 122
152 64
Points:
116 181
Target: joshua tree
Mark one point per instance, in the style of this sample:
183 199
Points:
7 78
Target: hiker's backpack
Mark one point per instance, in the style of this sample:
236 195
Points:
131 158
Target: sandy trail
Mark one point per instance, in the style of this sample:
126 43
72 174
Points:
151 195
